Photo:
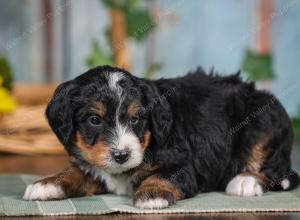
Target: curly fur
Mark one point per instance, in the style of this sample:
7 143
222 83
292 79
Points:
206 131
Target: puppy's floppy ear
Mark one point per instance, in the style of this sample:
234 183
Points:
59 112
160 112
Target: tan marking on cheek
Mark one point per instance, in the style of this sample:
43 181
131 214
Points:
258 155
147 139
133 108
96 154
99 108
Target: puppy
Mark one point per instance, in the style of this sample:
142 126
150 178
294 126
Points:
165 140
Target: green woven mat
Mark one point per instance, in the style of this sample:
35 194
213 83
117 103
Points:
12 188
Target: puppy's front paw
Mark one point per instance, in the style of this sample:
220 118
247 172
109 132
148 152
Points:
153 198
156 193
43 191
154 203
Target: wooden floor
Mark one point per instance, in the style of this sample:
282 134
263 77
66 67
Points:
171 217
45 165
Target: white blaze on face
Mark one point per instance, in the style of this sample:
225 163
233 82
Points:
113 79
126 139
123 137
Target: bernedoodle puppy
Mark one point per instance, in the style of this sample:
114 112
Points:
165 140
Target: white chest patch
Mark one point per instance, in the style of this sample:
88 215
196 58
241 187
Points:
117 184
120 185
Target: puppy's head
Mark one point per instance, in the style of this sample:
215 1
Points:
106 118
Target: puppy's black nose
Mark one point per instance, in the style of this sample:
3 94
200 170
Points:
120 156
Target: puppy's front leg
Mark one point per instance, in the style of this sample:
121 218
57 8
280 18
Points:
72 182
158 191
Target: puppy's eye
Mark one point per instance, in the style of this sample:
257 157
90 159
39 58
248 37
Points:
94 120
134 120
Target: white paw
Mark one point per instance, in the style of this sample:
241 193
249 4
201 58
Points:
156 203
244 186
285 184
39 191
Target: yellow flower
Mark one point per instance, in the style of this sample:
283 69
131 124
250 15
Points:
7 103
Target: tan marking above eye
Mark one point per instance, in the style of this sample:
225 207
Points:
99 108
133 108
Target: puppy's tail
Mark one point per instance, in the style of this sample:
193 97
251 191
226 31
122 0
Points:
288 182
293 179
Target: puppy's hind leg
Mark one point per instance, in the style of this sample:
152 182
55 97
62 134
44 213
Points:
264 147
245 184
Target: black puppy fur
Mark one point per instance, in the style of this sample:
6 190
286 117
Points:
205 130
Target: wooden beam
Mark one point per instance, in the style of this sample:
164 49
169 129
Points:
48 39
119 36
264 26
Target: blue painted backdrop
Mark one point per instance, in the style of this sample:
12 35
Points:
190 33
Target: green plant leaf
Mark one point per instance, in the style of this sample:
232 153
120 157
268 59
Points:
97 57
114 4
121 4
6 73
139 23
258 66
296 127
